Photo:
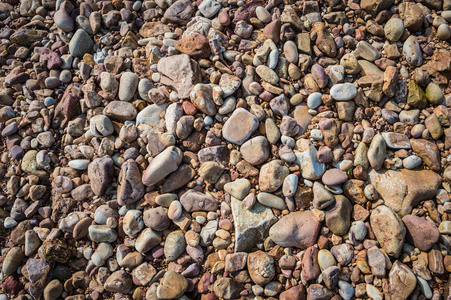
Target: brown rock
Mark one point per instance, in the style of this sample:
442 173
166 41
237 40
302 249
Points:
428 152
195 45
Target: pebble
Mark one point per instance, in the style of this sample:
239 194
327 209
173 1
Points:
343 91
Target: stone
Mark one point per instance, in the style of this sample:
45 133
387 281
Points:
424 234
393 29
239 188
272 176
130 189
127 86
174 245
402 190
376 152
428 152
388 229
240 126
81 43
251 225
402 281
343 91
261 267
100 173
338 217
162 165
119 282
196 201
297 229
180 72
411 49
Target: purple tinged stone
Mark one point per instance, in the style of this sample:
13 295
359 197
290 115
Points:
10 129
16 152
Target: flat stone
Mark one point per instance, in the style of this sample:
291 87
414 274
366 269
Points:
251 226
403 190
240 126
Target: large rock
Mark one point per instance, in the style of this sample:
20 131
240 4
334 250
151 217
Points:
403 190
388 229
375 6
81 43
424 234
272 176
180 12
297 229
240 126
402 282
307 159
261 267
180 72
196 201
162 165
338 218
428 152
251 226
173 286
100 173
131 188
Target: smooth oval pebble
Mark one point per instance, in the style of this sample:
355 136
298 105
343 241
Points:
175 210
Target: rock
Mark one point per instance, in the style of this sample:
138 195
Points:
338 217
119 282
202 97
12 261
261 267
402 281
434 94
173 286
297 229
428 152
130 187
196 201
174 245
306 155
63 21
226 288
81 43
322 198
194 45
180 12
343 91
120 111
376 152
240 126
403 190
375 6
334 177
251 225
272 176
411 49
209 8
424 234
316 291
162 165
239 188
180 72
127 86
100 173
388 229
229 84
147 239
394 28
396 140
271 200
